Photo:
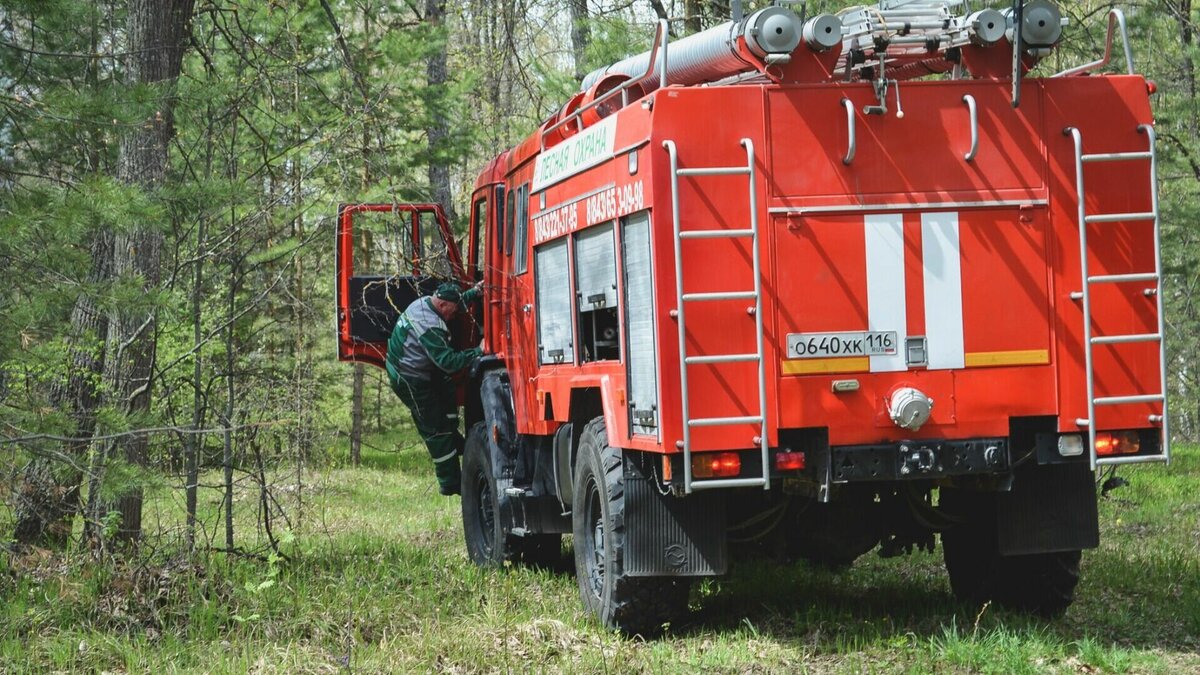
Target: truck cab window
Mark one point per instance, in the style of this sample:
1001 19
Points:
479 233
520 262
510 218
434 254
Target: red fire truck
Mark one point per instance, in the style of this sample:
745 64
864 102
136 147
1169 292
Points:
806 284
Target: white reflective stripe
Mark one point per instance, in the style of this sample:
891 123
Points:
452 416
886 307
942 267
452 455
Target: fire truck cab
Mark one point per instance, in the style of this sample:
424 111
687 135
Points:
809 286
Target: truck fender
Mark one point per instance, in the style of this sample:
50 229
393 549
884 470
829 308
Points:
585 386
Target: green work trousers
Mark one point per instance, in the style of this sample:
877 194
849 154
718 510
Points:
435 414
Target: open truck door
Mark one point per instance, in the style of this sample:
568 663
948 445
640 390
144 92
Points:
387 256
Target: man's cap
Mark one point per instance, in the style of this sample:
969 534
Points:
449 291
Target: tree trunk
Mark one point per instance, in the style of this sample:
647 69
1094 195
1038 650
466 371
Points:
1186 37
356 417
49 493
156 34
581 36
439 127
693 16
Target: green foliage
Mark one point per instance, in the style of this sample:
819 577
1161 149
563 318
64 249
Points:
381 577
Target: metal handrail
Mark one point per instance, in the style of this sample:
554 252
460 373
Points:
852 148
973 111
1116 19
661 37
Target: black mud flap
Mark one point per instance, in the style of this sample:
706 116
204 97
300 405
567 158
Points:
496 398
1049 509
667 535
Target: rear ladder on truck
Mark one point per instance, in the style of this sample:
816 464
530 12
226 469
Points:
682 299
1090 341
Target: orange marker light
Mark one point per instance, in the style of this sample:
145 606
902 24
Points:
1117 443
716 465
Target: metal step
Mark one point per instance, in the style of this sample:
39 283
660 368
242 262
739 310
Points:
1136 398
723 295
1122 278
720 358
715 171
1133 459
724 421
1123 339
1121 217
716 234
1117 157
728 483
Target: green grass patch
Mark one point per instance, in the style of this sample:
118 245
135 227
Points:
379 581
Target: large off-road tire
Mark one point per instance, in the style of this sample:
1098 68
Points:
1041 583
490 542
633 605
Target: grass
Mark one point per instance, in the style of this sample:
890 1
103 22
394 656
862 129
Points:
378 581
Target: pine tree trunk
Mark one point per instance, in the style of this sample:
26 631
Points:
356 417
439 127
156 33
1187 37
49 494
581 36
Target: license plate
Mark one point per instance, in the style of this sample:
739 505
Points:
829 345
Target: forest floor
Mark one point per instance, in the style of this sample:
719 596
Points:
377 580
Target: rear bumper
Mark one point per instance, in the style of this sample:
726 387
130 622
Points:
919 460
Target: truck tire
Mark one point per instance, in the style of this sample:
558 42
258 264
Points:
489 540
1040 583
633 605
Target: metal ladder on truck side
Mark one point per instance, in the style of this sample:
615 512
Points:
682 300
1088 280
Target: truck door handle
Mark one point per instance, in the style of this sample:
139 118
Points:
973 110
853 146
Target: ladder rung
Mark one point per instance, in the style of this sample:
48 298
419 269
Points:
724 295
715 171
728 483
1122 278
1120 217
1117 156
724 421
1132 459
715 234
720 358
1118 400
1121 339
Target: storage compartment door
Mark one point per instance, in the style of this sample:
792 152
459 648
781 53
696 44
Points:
641 345
555 339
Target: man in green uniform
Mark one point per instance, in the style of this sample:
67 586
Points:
420 361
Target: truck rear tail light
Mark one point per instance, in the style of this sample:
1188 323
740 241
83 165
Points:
716 465
1071 445
1117 443
789 461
